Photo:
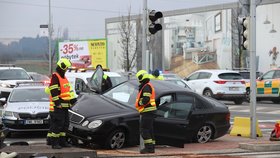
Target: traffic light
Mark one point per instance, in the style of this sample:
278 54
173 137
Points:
153 26
245 35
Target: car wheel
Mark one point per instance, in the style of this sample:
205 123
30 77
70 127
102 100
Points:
116 139
248 95
208 93
238 101
204 134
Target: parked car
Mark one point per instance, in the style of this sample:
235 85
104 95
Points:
219 84
111 120
9 75
39 77
268 86
27 108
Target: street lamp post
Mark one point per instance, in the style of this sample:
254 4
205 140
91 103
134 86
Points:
50 39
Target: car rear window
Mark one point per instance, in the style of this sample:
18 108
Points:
230 76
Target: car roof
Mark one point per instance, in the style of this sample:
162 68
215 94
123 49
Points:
217 71
14 68
162 86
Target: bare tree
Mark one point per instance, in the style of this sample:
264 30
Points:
129 31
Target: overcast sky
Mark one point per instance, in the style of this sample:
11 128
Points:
85 19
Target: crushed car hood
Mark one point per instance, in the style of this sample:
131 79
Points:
90 105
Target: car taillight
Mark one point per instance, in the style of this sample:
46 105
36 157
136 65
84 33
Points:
228 117
220 82
243 82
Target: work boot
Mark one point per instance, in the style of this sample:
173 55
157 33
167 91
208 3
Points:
63 142
49 140
149 148
55 143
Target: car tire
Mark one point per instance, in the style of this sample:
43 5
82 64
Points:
204 134
116 139
238 101
208 93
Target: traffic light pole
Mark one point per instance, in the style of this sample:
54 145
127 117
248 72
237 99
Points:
50 40
144 36
252 41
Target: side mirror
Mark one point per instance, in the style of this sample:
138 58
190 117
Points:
259 78
3 100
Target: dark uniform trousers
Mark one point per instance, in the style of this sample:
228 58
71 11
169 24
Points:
147 128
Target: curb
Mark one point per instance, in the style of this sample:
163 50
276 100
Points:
260 147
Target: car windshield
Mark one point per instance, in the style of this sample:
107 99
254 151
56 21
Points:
13 74
170 76
29 95
125 93
230 76
39 77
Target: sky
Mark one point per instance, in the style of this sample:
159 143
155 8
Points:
85 19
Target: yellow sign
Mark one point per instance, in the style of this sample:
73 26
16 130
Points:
98 52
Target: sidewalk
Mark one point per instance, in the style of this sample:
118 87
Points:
222 146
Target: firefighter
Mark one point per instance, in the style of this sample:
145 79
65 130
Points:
146 106
106 81
62 97
156 75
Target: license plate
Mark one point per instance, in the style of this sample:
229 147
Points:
34 122
70 128
233 88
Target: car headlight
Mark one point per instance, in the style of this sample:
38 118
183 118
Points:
10 114
94 124
85 123
5 85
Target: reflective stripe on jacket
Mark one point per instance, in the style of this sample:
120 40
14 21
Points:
151 105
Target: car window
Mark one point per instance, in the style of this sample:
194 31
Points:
175 110
204 75
81 86
165 99
14 74
268 75
230 76
193 76
276 74
184 98
125 93
29 95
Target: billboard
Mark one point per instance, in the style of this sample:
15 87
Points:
84 54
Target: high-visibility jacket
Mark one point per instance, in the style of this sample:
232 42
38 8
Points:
151 105
66 93
160 77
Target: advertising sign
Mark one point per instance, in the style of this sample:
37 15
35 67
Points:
84 54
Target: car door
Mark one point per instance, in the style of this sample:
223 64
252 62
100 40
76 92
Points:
171 123
268 84
192 81
202 81
95 82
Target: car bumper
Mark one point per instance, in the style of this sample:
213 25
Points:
86 135
19 125
229 96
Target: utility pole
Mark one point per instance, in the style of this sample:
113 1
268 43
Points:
252 49
50 39
144 36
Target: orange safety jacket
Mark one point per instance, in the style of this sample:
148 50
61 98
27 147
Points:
151 105
66 93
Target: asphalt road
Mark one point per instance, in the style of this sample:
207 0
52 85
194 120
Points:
267 114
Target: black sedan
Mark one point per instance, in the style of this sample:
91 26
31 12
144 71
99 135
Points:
111 120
